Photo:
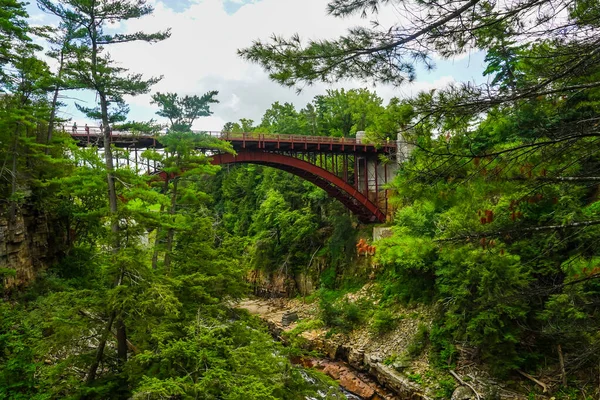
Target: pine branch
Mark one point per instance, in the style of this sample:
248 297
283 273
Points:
533 229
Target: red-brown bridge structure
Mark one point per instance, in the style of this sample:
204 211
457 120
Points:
352 170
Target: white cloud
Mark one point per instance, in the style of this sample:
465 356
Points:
201 54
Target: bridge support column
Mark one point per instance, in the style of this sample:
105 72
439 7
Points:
373 176
404 149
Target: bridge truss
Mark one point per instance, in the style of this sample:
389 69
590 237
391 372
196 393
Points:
352 170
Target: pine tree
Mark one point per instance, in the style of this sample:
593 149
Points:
182 156
14 32
24 110
94 69
61 51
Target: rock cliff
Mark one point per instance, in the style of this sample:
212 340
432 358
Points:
28 244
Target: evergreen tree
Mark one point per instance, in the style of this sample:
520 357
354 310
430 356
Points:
14 32
92 68
24 110
182 155
62 52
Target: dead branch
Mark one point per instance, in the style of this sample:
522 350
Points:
531 378
562 365
463 383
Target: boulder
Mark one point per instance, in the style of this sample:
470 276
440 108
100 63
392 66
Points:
356 358
353 384
332 370
288 318
463 393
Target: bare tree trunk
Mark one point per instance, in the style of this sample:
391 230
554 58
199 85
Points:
561 360
100 350
171 233
121 341
13 180
158 229
54 102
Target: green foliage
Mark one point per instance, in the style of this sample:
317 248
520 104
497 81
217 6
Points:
341 243
419 341
411 274
445 388
183 111
328 278
297 344
5 272
341 314
383 321
17 363
217 358
417 378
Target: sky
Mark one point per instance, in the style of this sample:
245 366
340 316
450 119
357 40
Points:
200 56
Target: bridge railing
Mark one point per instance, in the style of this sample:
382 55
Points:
93 132
289 138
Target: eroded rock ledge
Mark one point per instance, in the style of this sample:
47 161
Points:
28 244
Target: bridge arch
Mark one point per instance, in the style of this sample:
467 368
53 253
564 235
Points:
350 197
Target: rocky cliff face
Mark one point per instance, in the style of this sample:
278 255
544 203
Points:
280 284
28 244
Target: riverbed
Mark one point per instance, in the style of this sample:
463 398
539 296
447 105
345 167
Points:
355 384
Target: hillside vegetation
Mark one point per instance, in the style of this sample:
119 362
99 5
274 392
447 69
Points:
496 228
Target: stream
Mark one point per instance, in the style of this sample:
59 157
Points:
347 395
350 395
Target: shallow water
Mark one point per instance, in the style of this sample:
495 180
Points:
323 395
351 396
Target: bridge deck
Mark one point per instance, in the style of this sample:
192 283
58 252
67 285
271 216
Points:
247 140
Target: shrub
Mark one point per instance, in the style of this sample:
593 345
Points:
444 351
417 378
419 341
328 278
383 321
445 389
344 315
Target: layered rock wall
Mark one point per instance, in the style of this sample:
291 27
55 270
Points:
28 244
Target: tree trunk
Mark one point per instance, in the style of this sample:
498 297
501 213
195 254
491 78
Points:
13 180
113 208
158 229
100 350
54 102
171 233
561 360
108 159
121 341
114 225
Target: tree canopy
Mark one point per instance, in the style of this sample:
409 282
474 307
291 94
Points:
495 229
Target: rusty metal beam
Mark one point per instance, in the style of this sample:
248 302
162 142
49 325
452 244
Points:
355 201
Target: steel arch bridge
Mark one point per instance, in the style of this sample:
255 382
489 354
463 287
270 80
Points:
351 170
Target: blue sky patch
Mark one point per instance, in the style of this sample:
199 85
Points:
232 6
178 5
